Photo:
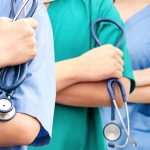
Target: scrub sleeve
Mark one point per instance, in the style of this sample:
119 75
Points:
78 128
109 34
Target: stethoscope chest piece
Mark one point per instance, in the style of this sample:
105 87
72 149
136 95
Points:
112 132
7 109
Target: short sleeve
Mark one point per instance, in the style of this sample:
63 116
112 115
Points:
110 34
36 95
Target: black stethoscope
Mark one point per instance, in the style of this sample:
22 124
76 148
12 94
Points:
7 106
112 131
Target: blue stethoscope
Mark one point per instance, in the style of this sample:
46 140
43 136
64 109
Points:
7 106
112 131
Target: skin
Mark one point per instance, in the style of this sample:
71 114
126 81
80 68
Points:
23 33
141 93
22 129
128 9
83 86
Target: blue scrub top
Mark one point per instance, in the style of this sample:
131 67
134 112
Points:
138 42
36 96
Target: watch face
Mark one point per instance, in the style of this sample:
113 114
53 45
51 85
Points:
5 105
112 132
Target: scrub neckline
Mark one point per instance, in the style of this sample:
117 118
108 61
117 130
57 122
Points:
138 16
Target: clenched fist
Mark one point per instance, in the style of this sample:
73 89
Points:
17 41
100 63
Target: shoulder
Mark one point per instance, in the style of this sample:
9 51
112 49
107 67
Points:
100 8
102 4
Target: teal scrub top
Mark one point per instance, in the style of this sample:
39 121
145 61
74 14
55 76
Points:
77 128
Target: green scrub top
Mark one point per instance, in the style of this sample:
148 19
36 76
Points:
77 128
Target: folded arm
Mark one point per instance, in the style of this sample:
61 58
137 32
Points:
140 95
97 64
21 130
81 81
141 92
31 99
90 94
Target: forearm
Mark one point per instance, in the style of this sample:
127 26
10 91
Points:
142 77
140 95
90 94
21 130
65 74
97 64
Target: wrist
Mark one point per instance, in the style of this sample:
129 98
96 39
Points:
68 71
73 68
81 70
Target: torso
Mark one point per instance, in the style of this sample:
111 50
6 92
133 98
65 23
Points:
71 22
137 22
136 17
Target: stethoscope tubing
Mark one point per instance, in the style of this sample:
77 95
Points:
108 21
20 71
110 85
20 10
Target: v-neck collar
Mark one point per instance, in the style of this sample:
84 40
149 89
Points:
138 16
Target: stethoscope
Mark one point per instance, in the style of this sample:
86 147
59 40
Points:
112 131
7 106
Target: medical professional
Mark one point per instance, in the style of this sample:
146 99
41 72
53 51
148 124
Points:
35 98
9 49
82 70
136 16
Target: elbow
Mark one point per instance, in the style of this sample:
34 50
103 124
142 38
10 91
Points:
21 130
29 130
27 137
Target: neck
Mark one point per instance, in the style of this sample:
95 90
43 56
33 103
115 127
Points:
46 5
127 8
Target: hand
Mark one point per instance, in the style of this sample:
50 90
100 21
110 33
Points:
100 63
17 41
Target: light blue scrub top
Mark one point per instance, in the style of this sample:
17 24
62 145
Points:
138 42
36 96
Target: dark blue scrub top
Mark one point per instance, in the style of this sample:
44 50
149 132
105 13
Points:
138 42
